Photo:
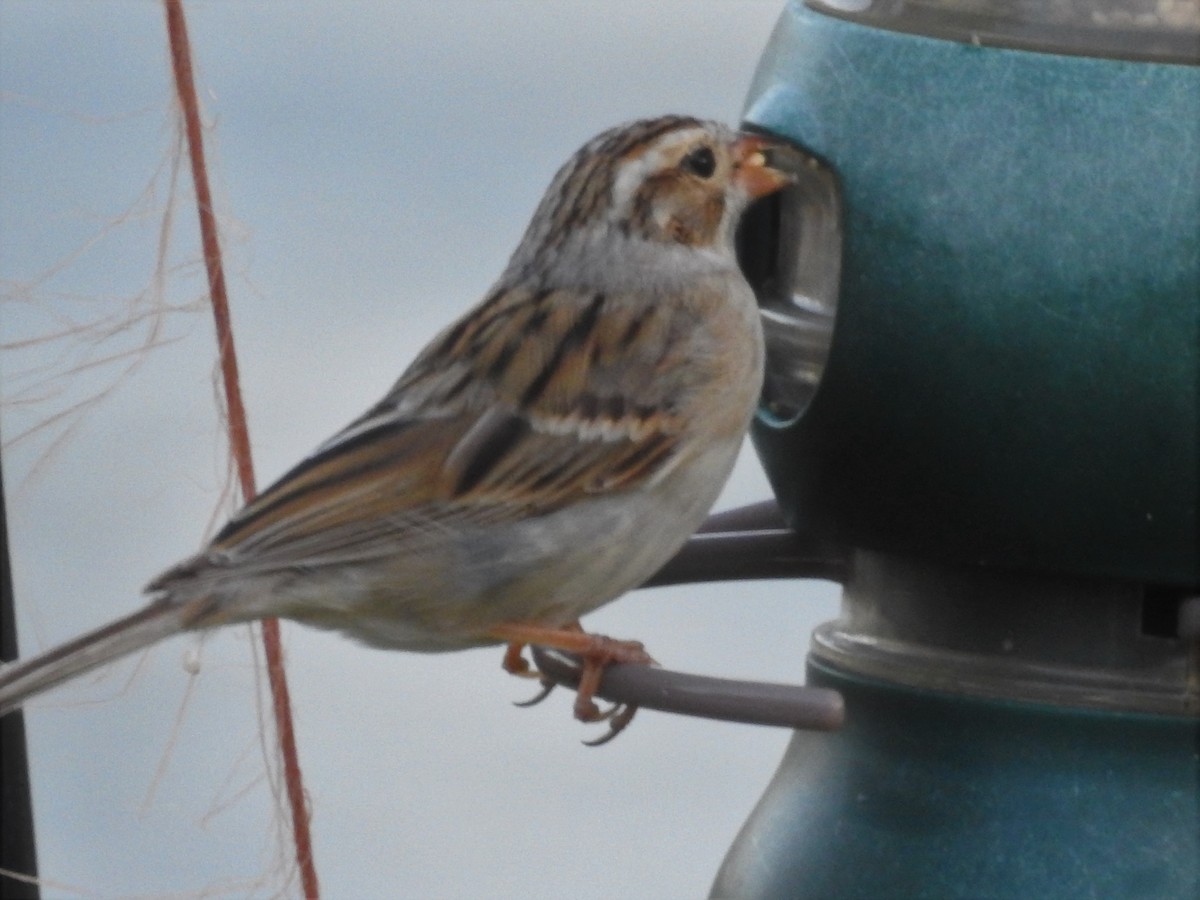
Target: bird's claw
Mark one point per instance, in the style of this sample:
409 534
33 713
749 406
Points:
617 717
547 687
595 652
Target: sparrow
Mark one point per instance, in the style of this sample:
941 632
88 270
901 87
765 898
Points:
546 453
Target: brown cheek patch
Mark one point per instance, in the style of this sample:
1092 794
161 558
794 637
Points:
697 223
696 211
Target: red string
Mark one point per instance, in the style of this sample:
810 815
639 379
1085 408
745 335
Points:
239 437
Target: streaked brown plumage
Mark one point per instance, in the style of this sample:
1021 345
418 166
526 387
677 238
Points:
547 452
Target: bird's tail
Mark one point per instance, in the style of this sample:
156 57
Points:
24 678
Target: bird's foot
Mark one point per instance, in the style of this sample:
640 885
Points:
596 652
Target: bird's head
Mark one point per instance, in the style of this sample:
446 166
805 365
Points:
672 183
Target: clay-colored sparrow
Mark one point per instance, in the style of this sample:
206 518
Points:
546 453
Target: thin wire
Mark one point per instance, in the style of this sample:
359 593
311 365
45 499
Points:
239 438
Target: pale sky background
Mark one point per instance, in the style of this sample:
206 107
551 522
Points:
374 163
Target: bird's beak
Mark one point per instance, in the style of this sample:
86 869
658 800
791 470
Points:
754 172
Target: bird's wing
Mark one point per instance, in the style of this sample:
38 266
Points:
535 400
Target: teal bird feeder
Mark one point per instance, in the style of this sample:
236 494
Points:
982 303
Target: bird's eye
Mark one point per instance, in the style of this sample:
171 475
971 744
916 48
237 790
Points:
701 162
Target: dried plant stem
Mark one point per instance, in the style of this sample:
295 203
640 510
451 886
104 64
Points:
238 433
